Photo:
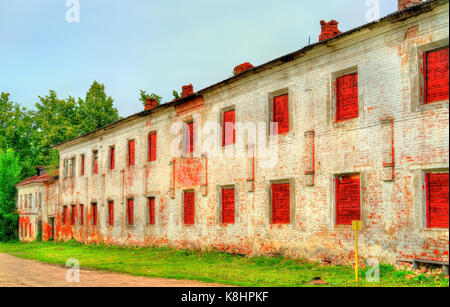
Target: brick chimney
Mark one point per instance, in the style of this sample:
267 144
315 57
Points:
150 103
404 4
329 29
187 90
243 67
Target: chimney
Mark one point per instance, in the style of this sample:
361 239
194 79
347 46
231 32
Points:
150 103
187 90
329 30
404 4
243 67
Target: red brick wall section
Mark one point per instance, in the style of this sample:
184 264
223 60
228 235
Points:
437 200
187 90
228 206
281 203
228 135
328 29
281 113
404 4
347 97
436 78
189 208
242 67
348 199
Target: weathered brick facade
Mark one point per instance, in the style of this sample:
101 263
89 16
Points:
391 142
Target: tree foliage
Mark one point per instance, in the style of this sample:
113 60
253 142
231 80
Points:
9 176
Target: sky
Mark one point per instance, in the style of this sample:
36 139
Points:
153 45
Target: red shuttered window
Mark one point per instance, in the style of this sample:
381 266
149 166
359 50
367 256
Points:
152 147
95 162
189 138
130 211
82 165
228 206
64 215
437 200
72 214
111 213
281 113
228 131
151 211
436 75
348 199
346 89
189 208
81 214
131 152
94 214
281 203
112 158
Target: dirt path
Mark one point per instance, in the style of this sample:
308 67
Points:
16 272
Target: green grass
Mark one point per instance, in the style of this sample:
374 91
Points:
212 267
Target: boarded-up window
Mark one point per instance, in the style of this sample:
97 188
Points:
94 214
131 152
281 113
151 211
437 200
281 203
64 215
72 214
228 206
95 162
130 211
81 214
228 131
346 89
152 147
189 208
348 199
112 158
82 165
111 213
189 138
436 75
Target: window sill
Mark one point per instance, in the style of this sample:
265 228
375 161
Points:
438 230
432 105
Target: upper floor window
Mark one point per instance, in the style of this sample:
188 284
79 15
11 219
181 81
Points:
66 168
112 157
346 96
436 76
131 152
280 113
152 147
82 165
189 138
72 167
228 130
95 162
436 188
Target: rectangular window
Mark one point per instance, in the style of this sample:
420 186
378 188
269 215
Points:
348 199
281 203
131 152
436 75
72 167
281 113
66 168
81 214
112 157
152 147
111 213
130 211
228 206
95 162
72 215
228 131
151 211
82 165
346 91
189 138
64 215
189 208
94 214
436 185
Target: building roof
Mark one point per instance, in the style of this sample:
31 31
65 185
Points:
36 179
397 16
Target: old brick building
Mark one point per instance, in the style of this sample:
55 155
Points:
362 134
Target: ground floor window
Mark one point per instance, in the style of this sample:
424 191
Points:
281 197
189 208
437 189
348 199
130 211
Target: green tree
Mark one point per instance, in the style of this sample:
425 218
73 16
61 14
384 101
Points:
9 176
145 96
175 95
96 110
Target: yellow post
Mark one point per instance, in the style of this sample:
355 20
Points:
356 226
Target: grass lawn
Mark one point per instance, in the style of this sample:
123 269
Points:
212 267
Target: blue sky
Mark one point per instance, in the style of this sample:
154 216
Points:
153 45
